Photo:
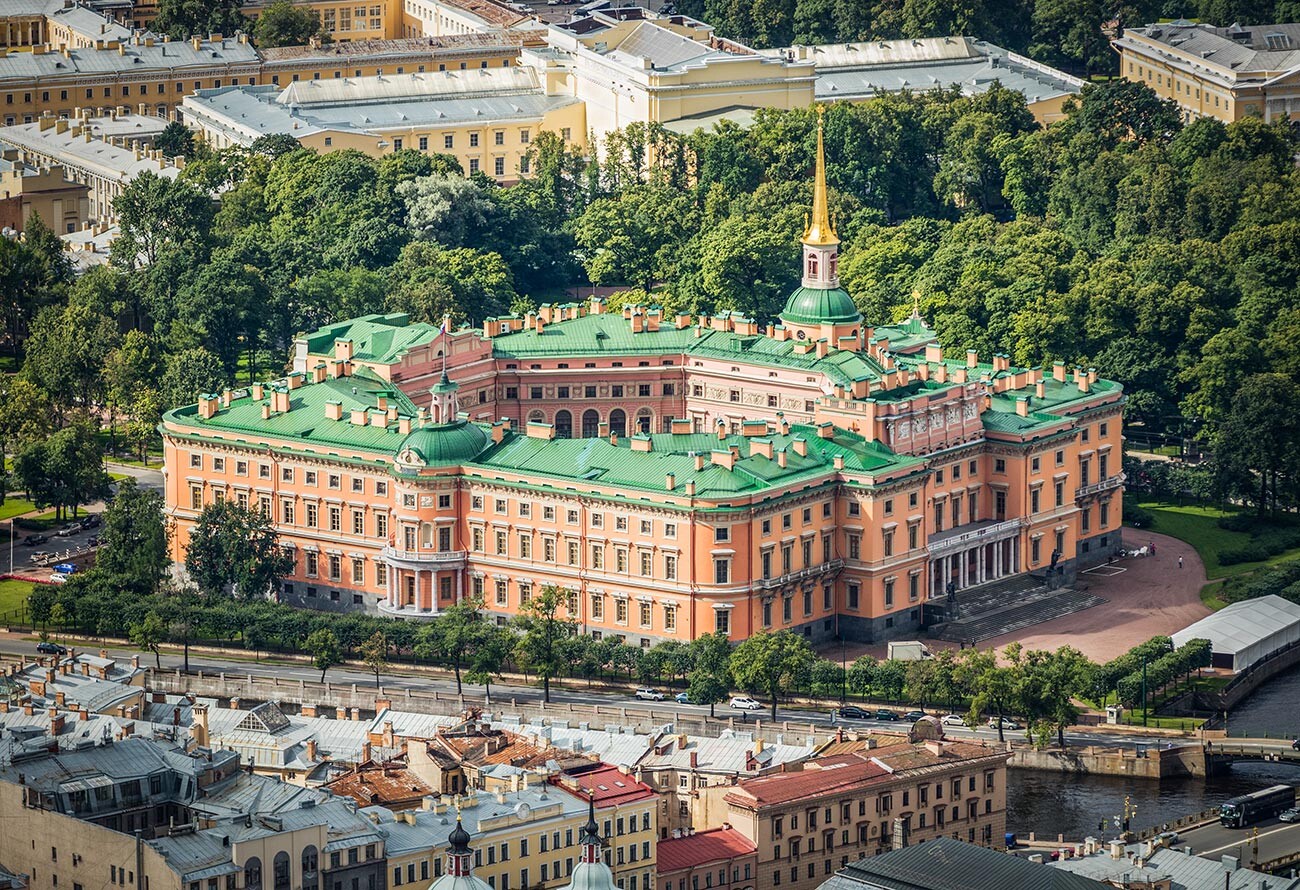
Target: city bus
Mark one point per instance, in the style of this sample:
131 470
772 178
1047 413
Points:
1256 806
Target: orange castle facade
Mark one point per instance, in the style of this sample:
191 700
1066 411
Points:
674 476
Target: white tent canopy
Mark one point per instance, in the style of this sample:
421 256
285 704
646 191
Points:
1243 633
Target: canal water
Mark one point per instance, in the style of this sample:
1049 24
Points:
1052 804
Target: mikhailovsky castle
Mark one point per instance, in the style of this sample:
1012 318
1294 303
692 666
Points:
674 475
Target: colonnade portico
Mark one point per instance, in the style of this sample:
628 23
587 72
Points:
972 556
421 585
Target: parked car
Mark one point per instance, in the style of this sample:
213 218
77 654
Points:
745 703
914 715
682 698
56 578
40 555
93 541
68 530
952 720
1006 724
886 714
853 712
33 540
1291 815
65 568
645 693
92 520
45 647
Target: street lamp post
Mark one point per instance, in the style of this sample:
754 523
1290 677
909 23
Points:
1144 690
844 672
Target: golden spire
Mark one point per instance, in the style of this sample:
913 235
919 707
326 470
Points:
820 232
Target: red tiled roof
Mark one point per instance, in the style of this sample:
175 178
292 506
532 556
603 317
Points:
702 848
827 776
612 787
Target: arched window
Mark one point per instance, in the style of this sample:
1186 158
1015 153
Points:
310 877
537 416
590 423
563 425
812 265
253 874
835 264
618 422
426 534
281 870
644 417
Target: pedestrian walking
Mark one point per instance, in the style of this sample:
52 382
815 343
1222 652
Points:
1151 548
1180 562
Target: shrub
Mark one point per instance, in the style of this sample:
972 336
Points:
1249 553
1238 522
1137 517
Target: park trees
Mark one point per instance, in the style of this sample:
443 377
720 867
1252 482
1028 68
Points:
235 550
773 662
1257 443
133 542
183 19
283 23
542 623
454 636
492 647
64 471
374 653
323 647
710 677
148 635
175 140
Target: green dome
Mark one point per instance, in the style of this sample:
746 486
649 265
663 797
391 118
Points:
443 443
812 305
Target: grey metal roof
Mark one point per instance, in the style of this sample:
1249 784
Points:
1185 871
172 57
664 49
946 864
1234 53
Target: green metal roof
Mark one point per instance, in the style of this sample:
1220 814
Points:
449 443
591 335
818 305
598 461
375 338
305 421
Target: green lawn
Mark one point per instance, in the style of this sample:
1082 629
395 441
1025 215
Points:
13 594
1199 527
15 507
1210 596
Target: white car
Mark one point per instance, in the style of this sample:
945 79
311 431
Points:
1006 724
645 693
58 578
952 720
745 703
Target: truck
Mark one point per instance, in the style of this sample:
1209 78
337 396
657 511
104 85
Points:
908 650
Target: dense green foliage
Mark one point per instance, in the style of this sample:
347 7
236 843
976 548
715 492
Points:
283 23
1068 33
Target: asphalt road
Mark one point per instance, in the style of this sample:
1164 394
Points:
571 692
22 554
1276 839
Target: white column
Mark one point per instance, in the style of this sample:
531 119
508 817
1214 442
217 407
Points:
979 565
1015 555
392 586
962 572
417 589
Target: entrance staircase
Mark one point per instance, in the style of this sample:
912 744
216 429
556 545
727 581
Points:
1008 605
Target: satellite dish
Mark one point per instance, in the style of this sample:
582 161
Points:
523 810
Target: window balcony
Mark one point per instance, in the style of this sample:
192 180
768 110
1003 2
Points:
424 559
829 567
1108 484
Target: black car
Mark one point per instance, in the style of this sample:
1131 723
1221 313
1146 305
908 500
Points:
48 648
914 715
33 540
92 520
884 714
853 712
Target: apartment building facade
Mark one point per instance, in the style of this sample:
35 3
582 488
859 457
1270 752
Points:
808 824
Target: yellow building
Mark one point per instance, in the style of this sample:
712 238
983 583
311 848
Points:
486 117
345 20
27 191
1225 73
629 66
529 837
372 58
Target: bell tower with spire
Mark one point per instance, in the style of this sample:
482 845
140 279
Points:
460 863
591 872
821 310
821 246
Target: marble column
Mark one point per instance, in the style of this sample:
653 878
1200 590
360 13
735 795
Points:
979 572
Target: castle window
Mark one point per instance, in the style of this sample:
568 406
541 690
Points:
812 264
